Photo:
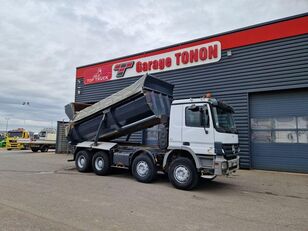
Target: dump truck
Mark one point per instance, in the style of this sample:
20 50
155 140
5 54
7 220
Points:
15 139
197 137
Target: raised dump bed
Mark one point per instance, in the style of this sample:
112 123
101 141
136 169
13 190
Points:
143 104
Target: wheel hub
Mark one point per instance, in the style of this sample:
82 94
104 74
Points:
181 174
142 168
81 161
99 163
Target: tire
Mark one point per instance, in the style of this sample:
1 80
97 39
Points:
83 161
183 174
44 149
101 163
34 149
143 169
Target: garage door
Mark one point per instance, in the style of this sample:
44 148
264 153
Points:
279 130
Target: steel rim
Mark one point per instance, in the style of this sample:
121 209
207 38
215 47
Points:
81 161
181 174
142 168
99 163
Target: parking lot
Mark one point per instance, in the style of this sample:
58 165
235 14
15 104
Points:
42 191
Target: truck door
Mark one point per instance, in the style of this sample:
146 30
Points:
198 133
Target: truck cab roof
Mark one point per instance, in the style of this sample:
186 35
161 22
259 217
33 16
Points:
195 100
211 100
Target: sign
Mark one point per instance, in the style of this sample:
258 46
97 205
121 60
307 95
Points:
165 61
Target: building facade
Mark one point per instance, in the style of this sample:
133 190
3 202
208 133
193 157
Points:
261 71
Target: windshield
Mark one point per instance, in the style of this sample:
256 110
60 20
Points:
42 134
15 134
223 119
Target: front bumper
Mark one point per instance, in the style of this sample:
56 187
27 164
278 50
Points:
226 167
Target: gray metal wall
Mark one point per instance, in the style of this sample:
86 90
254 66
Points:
280 64
61 142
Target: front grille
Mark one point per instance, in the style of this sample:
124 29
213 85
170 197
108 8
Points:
229 154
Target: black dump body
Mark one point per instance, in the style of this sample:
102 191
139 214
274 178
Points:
142 105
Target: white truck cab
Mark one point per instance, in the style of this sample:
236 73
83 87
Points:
204 127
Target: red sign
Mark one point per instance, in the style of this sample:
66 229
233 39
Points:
170 60
199 52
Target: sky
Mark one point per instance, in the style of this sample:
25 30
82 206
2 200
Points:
42 43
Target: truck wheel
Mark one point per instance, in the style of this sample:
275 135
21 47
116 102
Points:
101 163
44 149
143 169
34 149
83 161
183 174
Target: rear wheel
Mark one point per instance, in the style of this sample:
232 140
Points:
34 149
83 161
44 149
143 169
183 174
101 163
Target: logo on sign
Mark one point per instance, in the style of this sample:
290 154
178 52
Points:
122 67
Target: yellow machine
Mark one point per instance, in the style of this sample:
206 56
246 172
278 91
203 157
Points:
14 136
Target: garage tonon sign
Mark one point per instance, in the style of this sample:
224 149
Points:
164 61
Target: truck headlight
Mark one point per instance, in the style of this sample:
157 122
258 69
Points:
224 165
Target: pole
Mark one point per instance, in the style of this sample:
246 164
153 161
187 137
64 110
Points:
7 124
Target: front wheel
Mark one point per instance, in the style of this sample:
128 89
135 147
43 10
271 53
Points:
183 174
143 169
101 163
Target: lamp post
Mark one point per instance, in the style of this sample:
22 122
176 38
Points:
25 103
7 123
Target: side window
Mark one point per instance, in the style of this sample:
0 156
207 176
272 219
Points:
196 118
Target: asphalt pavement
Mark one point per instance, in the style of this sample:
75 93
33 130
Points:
42 191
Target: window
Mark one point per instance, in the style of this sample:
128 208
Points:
284 123
198 117
285 137
289 129
223 119
261 123
303 137
261 137
302 122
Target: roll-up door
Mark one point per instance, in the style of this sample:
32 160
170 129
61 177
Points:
279 130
